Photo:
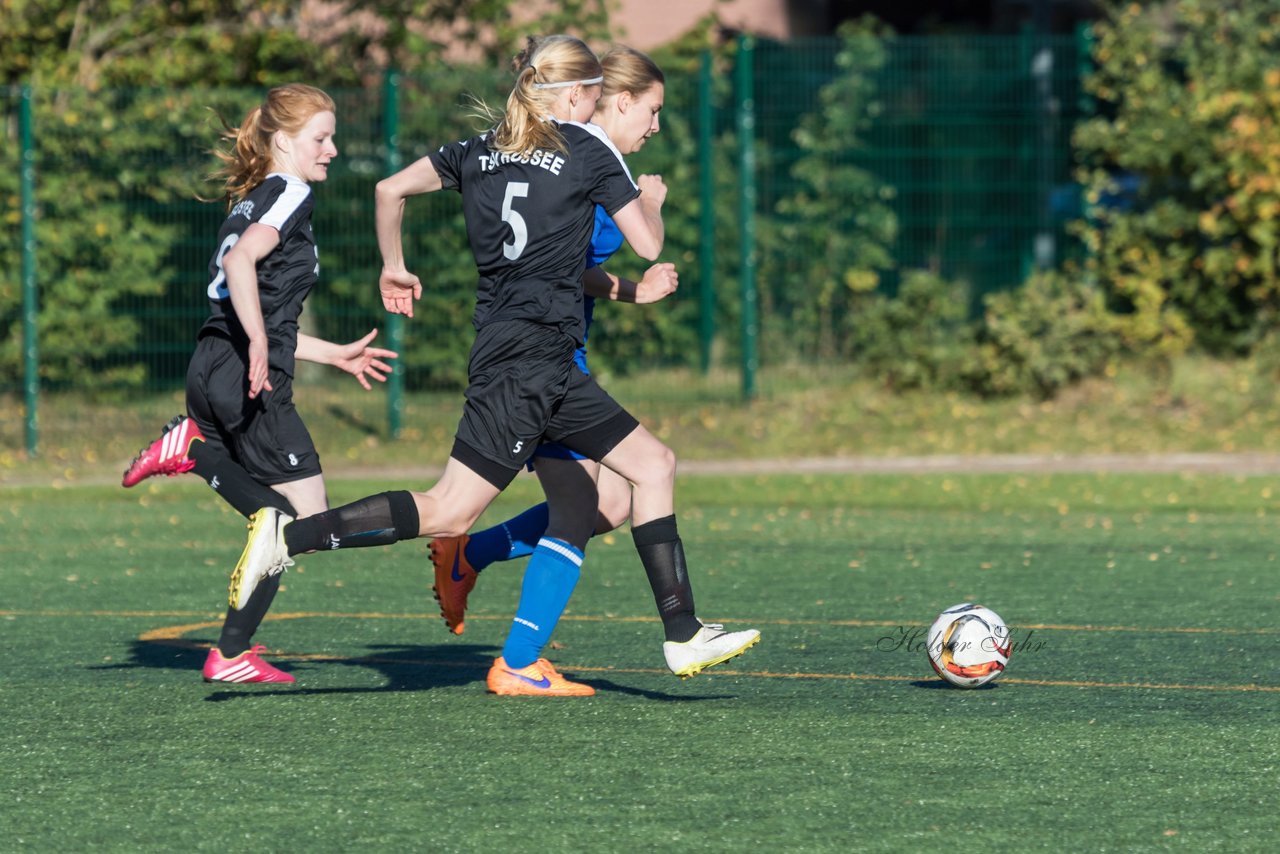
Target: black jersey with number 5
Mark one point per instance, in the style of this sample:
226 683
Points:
529 221
285 276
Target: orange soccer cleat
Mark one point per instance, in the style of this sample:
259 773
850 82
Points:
539 679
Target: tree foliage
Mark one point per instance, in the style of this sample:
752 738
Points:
837 225
125 96
113 43
1041 338
1182 172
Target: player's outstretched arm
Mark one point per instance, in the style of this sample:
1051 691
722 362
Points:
357 358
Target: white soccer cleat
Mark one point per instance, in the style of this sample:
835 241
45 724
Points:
264 555
710 646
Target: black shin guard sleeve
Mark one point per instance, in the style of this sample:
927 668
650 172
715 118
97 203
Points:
239 626
662 554
378 520
236 486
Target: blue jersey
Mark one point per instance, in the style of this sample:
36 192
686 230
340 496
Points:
606 239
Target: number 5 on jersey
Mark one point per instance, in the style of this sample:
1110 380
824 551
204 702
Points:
513 219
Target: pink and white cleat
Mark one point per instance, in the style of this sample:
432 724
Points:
245 667
166 455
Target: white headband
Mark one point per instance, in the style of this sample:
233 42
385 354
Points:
567 83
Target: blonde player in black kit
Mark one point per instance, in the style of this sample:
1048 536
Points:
529 190
242 433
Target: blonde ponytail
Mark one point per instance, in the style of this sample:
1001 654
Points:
542 68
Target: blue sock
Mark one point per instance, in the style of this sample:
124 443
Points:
548 583
514 538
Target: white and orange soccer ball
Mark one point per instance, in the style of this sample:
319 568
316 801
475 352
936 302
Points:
969 645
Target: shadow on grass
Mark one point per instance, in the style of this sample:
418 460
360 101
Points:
611 687
935 684
404 668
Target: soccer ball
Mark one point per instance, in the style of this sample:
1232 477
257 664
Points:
969 645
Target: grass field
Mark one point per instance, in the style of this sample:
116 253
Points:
1197 405
1138 714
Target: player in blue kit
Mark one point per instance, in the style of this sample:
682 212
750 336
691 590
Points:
242 433
529 191
628 112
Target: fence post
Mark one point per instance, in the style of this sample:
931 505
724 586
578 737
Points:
706 215
30 297
1084 67
747 210
395 322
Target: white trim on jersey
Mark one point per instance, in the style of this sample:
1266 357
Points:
598 132
295 193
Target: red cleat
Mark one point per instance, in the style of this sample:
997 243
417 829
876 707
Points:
166 455
454 579
245 667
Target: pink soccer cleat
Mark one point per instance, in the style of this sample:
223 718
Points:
166 455
245 667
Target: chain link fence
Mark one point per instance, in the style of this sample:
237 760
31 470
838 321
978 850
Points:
962 142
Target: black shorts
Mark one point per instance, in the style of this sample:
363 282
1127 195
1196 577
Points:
525 387
266 435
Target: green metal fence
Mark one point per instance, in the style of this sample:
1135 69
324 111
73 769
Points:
965 138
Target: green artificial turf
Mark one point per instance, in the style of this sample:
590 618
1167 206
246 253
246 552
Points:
1138 714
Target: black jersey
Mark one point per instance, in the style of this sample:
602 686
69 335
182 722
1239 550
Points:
529 221
285 276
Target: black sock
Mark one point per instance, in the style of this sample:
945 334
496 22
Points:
662 554
229 479
378 520
238 626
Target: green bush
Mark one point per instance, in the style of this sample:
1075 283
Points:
1189 99
1038 339
916 339
1042 337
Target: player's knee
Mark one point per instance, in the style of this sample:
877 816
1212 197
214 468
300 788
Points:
613 511
663 463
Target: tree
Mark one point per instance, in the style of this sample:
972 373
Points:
1182 172
95 43
123 93
836 226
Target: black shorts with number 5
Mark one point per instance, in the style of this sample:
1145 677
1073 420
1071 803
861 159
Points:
525 387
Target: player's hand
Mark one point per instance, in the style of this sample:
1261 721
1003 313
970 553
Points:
659 281
652 189
259 368
399 289
364 362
